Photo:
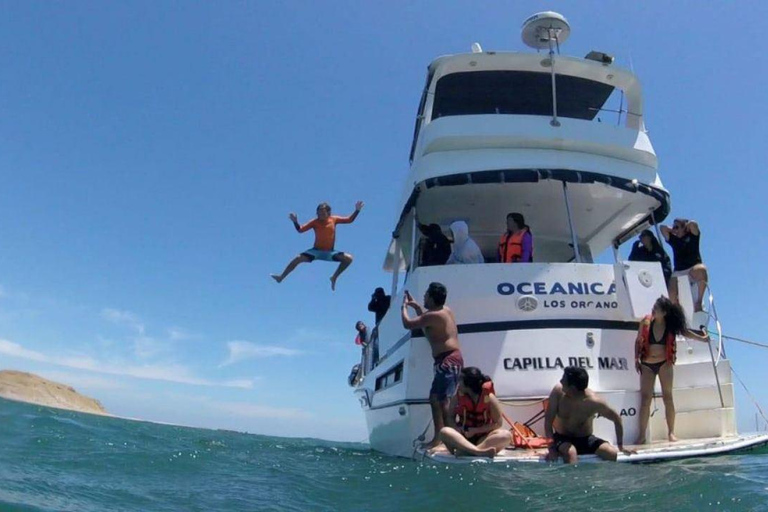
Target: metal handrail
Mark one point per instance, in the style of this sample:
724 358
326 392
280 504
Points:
712 314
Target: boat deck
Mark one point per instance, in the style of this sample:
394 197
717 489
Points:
656 452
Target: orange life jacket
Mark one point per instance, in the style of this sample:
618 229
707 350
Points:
511 246
473 414
523 436
643 342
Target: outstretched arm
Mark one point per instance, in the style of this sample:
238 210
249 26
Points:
691 334
348 220
607 412
549 416
299 228
421 320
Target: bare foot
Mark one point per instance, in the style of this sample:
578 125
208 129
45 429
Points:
441 448
486 452
333 283
672 438
276 277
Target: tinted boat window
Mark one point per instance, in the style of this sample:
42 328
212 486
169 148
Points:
517 92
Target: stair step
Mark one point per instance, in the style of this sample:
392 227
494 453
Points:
698 398
701 374
695 424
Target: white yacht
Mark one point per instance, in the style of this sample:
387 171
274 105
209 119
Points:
533 133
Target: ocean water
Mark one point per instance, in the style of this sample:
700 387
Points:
58 460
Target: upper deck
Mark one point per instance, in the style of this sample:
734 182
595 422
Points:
487 142
505 101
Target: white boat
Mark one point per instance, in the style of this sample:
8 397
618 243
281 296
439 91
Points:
500 132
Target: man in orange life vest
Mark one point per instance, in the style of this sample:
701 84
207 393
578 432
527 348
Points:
516 244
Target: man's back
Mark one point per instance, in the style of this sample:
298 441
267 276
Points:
442 333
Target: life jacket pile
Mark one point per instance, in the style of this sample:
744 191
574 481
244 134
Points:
643 341
511 247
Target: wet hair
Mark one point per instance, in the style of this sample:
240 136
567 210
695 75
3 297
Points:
474 379
324 206
518 218
438 292
576 377
674 316
655 245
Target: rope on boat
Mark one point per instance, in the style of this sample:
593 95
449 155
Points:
760 409
517 403
420 439
741 340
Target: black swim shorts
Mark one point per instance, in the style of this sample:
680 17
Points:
584 445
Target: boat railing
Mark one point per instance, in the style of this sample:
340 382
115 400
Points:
619 113
704 318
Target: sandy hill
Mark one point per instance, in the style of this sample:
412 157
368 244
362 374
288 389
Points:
27 387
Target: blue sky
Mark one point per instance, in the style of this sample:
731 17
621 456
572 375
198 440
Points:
150 153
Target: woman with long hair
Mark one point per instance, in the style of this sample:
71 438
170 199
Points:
655 354
475 426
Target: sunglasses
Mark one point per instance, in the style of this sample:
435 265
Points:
678 226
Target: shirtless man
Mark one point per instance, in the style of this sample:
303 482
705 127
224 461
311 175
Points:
325 240
439 327
575 407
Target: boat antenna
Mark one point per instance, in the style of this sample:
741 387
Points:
546 30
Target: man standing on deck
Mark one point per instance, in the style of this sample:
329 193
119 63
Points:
575 407
439 327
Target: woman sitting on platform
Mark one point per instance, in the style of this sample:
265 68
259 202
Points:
655 354
476 423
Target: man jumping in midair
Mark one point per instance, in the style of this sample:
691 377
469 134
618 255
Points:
325 239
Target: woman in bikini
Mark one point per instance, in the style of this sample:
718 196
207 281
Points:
655 354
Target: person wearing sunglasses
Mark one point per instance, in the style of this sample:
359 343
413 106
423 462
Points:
683 237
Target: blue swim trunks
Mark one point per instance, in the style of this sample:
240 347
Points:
317 254
447 368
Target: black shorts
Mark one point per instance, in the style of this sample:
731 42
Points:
584 445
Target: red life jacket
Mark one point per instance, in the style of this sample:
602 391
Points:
473 414
511 247
643 342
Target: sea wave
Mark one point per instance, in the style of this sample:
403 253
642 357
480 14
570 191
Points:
65 461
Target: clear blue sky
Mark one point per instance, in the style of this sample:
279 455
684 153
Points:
150 153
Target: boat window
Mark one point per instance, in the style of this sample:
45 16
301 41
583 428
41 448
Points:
519 93
390 378
420 114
